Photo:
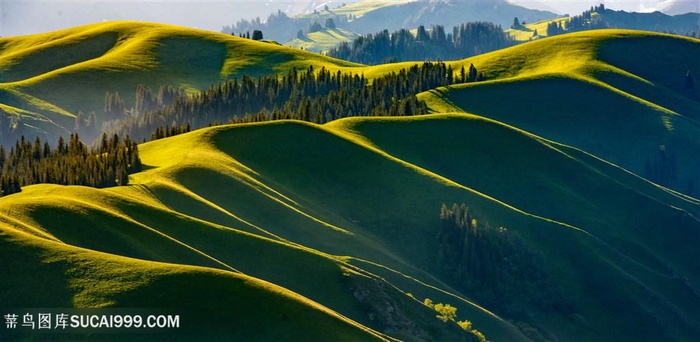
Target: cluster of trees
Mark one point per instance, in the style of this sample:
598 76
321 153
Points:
70 163
257 35
495 265
169 131
465 40
598 17
585 21
309 95
278 26
316 27
554 28
447 312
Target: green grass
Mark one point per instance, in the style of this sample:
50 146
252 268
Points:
171 206
323 40
356 9
60 73
525 33
212 304
281 226
370 189
592 95
367 191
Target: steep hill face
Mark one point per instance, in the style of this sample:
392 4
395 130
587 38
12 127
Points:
348 213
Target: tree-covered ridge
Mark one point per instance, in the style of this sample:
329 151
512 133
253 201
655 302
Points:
465 40
598 17
495 265
70 163
309 95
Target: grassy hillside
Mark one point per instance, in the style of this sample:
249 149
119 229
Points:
212 304
601 93
53 76
323 40
296 231
599 17
526 32
341 212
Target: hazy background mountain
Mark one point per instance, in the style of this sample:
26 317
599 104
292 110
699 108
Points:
20 17
574 7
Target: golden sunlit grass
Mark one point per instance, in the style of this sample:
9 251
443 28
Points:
526 34
212 304
597 83
323 40
358 9
210 197
303 206
54 75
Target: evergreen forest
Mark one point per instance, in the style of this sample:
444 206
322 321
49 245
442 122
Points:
435 43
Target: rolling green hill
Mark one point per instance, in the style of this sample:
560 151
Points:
354 210
46 79
323 40
599 17
619 95
372 16
289 230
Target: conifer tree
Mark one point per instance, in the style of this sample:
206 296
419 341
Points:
257 35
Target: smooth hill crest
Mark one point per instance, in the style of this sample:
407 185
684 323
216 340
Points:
46 79
333 219
607 92
307 199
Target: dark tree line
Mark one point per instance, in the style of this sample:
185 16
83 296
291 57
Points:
588 20
310 95
495 265
278 26
465 40
257 35
598 17
70 163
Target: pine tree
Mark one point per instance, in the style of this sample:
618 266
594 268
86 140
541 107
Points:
473 73
257 35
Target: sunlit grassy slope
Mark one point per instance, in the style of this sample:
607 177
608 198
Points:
332 212
212 304
295 231
619 95
356 9
323 40
526 32
54 75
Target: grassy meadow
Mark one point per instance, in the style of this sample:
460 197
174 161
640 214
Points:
288 230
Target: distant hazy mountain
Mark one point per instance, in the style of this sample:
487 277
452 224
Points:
368 17
572 7
674 7
20 17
